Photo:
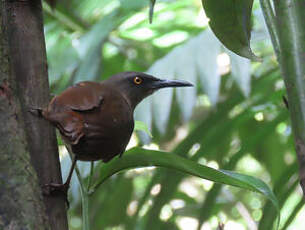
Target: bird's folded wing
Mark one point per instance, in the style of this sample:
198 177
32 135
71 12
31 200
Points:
70 125
66 110
83 96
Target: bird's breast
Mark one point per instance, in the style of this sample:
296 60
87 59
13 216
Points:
107 130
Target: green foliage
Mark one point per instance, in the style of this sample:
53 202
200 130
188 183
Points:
234 118
137 158
230 20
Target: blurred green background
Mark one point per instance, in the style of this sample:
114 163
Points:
233 119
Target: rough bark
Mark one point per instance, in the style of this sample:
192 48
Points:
20 197
27 141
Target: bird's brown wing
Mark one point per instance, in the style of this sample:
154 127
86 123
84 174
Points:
70 125
83 96
66 111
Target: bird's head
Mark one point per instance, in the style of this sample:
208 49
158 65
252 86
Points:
135 86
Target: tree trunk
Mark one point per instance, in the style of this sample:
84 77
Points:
28 153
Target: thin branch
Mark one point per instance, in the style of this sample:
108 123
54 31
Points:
84 196
85 201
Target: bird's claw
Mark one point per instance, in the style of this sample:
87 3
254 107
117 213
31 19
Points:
54 189
36 111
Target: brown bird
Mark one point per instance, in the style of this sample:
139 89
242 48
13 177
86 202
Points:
95 119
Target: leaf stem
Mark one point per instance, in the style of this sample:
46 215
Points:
84 195
271 24
85 201
90 176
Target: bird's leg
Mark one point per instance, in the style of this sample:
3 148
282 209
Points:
67 183
54 189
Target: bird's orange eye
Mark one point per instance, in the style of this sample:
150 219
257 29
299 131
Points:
137 80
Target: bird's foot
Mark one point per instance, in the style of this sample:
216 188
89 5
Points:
54 189
36 111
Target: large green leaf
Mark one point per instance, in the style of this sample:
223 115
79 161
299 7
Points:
230 20
138 157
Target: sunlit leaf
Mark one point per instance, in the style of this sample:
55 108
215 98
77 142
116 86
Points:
230 20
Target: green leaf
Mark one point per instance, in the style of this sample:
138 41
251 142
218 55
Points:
141 126
230 21
138 157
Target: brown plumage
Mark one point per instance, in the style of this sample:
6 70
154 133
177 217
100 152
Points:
96 118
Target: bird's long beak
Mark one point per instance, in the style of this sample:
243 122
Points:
160 83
